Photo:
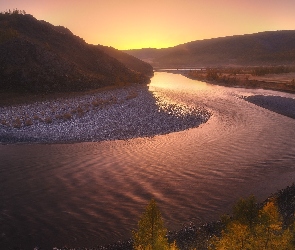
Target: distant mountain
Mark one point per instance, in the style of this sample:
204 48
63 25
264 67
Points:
265 48
36 56
128 60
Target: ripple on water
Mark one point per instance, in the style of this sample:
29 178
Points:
93 193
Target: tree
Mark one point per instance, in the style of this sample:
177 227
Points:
269 231
151 233
251 228
235 236
246 211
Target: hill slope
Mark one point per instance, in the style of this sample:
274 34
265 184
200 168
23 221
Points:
36 56
265 48
128 60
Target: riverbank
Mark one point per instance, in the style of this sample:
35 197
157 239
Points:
276 82
123 113
242 148
281 105
284 82
198 237
112 114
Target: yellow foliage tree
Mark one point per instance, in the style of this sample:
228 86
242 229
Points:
236 236
264 231
151 233
269 233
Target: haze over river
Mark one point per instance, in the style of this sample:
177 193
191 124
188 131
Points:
88 194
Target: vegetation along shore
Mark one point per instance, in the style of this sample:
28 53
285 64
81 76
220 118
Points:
252 225
279 78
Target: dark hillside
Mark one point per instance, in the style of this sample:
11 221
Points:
265 48
130 61
36 56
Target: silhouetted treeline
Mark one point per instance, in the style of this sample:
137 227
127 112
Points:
259 71
13 12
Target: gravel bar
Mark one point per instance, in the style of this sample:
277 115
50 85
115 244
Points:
124 113
281 105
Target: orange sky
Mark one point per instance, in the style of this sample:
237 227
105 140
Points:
130 24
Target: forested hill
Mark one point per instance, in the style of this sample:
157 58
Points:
265 48
36 56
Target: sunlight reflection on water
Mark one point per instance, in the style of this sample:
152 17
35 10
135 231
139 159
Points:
176 83
88 194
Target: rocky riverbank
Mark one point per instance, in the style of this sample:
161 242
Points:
123 113
197 237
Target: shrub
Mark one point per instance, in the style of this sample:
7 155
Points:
17 123
36 117
58 116
95 103
4 122
28 122
67 116
113 100
80 112
48 120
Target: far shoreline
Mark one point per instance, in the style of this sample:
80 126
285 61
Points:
241 78
117 107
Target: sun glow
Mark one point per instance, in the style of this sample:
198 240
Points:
134 24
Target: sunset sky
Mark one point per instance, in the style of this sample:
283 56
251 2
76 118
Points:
130 24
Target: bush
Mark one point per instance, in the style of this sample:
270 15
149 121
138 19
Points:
95 103
28 122
67 116
4 122
36 117
17 123
58 116
48 120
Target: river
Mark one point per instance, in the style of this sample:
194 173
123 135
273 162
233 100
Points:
87 194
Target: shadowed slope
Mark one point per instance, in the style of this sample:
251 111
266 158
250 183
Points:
265 48
36 56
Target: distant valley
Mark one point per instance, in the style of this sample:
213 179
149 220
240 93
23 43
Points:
261 49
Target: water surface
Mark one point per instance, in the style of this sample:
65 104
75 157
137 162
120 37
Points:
88 194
